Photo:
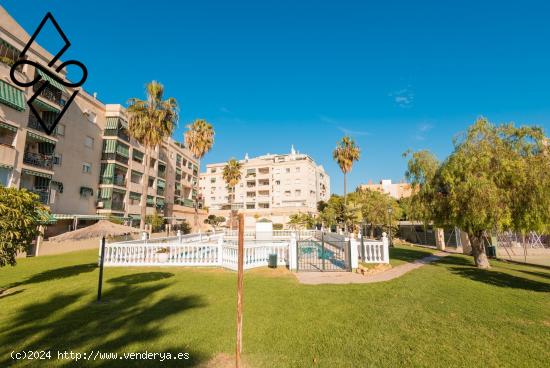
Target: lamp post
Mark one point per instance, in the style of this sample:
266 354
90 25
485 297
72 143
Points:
390 210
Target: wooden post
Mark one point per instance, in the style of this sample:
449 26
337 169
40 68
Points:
240 291
101 261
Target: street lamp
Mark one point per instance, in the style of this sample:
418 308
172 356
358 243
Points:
390 210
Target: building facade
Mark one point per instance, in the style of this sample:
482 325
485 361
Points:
395 190
89 168
272 186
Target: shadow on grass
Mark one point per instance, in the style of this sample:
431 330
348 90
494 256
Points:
408 255
128 316
545 275
501 279
58 273
139 278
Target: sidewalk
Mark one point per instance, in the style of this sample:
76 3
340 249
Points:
318 278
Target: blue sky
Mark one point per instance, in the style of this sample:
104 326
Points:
395 74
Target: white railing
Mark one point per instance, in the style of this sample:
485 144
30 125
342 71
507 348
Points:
375 252
215 250
172 252
277 234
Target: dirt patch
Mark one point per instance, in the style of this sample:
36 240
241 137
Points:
223 360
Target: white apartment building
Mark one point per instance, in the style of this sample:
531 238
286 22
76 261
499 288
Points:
272 186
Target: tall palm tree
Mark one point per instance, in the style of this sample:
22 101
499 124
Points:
345 154
199 139
232 176
150 122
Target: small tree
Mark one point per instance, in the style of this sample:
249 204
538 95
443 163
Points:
20 214
156 221
214 220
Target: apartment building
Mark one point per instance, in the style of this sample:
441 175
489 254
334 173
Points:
272 186
89 168
395 190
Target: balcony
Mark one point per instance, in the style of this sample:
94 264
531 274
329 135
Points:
50 93
120 133
115 156
43 195
38 160
113 205
117 180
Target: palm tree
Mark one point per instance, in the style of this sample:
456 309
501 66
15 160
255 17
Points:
199 139
232 176
150 122
345 154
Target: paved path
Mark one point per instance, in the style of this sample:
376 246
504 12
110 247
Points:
316 278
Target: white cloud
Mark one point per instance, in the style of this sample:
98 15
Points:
404 97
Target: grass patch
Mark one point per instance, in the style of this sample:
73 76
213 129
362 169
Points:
443 314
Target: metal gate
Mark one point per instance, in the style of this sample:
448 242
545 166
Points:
321 255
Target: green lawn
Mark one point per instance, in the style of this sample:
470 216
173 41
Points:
447 315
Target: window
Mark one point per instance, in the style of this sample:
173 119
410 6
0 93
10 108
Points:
86 167
151 182
92 117
137 156
277 182
134 198
135 177
89 142
297 192
287 193
5 176
213 180
213 171
57 158
297 169
86 192
152 163
60 129
288 170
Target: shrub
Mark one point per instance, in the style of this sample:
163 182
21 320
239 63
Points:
277 226
156 221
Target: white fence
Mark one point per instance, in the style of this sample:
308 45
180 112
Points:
221 250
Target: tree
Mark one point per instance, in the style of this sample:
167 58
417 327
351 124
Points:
421 170
345 154
496 178
335 212
321 205
371 207
232 176
150 122
199 139
20 215
214 220
156 221
301 220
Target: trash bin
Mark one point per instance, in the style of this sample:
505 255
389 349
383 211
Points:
272 263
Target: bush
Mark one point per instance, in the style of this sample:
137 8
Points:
184 227
277 226
116 220
156 221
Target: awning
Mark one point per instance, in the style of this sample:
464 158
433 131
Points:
178 171
135 217
40 138
161 183
6 166
123 123
46 218
36 173
108 170
150 199
109 146
123 150
105 193
45 106
112 123
137 154
8 126
11 96
160 201
52 81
